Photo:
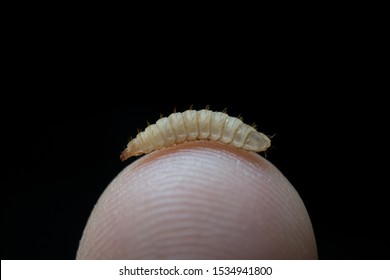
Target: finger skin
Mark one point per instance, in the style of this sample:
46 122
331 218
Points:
199 200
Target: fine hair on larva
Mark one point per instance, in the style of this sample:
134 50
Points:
194 125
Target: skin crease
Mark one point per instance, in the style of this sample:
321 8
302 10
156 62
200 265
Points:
199 200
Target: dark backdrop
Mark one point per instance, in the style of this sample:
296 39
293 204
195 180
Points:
63 154
68 106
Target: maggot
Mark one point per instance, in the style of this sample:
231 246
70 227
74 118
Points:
194 125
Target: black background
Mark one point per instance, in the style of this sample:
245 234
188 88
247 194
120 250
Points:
72 107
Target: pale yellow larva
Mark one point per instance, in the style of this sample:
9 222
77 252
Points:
196 125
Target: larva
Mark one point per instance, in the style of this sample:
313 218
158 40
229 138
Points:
196 125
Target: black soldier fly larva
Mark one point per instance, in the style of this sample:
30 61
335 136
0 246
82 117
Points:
196 125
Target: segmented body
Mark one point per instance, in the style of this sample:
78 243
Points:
196 125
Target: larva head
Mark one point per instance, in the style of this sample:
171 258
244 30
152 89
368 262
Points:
257 142
132 149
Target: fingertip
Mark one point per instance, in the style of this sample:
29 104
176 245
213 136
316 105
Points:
199 200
